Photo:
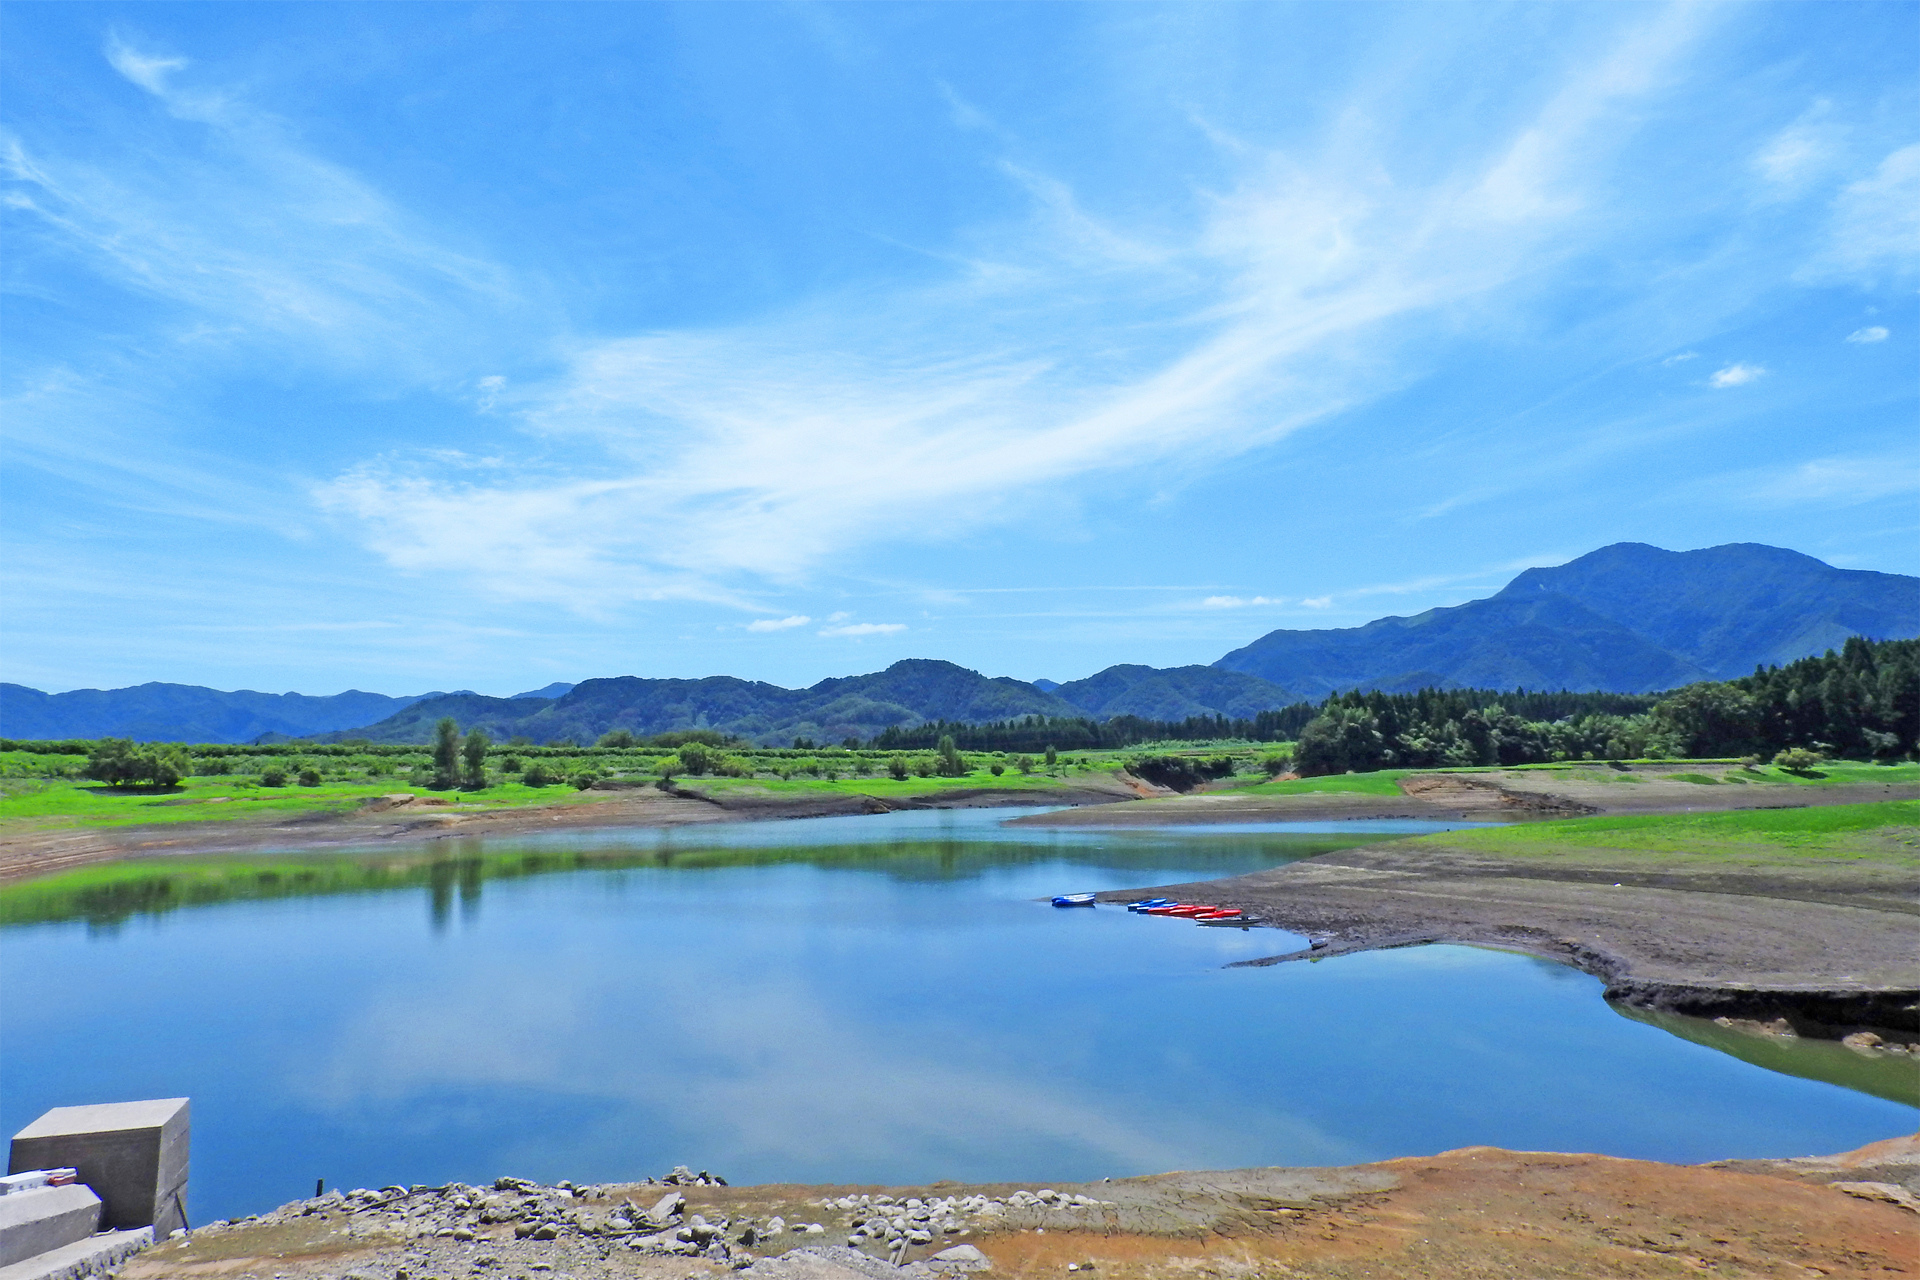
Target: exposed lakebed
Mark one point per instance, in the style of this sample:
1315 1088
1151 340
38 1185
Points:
855 1000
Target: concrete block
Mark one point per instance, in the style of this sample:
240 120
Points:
95 1256
32 1222
134 1154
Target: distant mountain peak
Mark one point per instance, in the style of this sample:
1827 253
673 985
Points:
1628 617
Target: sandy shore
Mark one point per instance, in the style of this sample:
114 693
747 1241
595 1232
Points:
1463 1215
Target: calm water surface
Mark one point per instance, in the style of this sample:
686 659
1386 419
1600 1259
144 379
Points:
863 999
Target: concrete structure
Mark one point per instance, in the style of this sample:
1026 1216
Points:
133 1154
94 1256
32 1222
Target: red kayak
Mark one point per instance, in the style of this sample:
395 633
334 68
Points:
1190 909
1224 913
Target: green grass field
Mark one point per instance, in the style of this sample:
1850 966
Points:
1888 831
72 802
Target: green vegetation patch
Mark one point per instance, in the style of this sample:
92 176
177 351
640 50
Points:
1384 782
1887 830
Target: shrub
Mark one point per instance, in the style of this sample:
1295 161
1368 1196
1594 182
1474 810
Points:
538 775
1798 760
695 758
1276 764
897 768
616 738
119 763
512 764
273 777
949 762
996 769
584 778
309 777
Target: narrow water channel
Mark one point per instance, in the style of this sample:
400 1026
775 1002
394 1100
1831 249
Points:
875 999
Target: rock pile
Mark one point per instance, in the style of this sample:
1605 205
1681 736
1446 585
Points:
589 1221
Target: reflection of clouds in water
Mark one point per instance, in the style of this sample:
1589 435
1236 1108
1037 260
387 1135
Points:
770 1072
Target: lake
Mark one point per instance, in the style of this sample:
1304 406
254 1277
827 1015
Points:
871 999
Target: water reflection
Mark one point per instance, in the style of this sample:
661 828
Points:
1895 1077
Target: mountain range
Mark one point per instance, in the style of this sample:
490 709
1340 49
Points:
1628 617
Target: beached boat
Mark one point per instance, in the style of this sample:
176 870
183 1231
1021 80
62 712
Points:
1073 900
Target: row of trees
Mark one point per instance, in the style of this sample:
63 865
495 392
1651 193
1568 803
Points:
1862 702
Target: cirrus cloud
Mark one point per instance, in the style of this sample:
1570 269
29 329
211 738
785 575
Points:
1736 375
864 629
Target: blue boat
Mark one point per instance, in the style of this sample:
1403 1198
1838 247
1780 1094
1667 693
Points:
1144 903
1073 900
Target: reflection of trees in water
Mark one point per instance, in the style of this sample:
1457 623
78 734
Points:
443 878
1889 1076
455 871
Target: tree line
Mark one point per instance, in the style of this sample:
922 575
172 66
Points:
1860 703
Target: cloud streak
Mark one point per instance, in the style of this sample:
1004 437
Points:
761 452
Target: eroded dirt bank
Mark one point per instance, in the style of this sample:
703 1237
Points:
1462 1215
1497 795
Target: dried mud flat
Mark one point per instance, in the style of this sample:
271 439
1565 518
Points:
1462 1215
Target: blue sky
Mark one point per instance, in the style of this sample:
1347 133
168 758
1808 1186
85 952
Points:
429 346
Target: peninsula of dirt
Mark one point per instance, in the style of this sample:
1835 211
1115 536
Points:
1815 938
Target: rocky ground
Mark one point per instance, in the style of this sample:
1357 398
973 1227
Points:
1475 1213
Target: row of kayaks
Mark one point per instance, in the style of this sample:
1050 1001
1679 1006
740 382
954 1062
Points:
1184 910
1157 907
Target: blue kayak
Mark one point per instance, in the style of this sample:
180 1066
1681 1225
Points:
1073 900
1144 903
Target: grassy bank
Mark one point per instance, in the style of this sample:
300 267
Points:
1886 833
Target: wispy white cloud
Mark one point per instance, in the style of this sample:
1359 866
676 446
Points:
255 237
762 451
1836 481
1800 151
1736 375
779 624
147 70
856 629
1681 357
1872 333
1238 602
1875 228
1318 602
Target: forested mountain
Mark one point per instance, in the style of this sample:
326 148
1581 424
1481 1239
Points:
186 713
1172 693
1628 618
906 693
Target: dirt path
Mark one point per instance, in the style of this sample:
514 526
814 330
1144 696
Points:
1463 1215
